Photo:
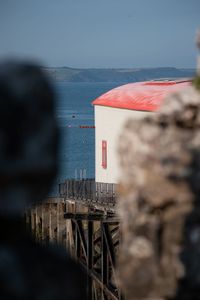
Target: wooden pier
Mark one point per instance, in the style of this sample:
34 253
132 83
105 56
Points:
83 220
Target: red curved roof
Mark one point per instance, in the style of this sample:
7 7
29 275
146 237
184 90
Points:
146 96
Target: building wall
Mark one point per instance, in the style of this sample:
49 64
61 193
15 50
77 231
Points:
109 122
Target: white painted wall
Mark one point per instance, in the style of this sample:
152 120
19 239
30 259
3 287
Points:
109 122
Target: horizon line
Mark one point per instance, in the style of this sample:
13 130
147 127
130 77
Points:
119 68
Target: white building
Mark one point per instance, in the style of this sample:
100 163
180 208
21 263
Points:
113 109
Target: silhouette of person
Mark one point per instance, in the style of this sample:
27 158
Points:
28 164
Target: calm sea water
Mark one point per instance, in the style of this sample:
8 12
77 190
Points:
73 108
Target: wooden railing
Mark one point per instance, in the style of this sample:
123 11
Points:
88 190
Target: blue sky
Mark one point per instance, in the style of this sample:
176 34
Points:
103 33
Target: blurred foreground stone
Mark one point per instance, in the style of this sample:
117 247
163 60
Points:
28 164
159 202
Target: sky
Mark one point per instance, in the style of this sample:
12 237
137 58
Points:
101 33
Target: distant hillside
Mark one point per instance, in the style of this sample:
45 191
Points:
116 75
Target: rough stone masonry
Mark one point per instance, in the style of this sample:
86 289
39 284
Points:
159 201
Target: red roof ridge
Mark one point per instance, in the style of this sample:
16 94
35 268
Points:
144 96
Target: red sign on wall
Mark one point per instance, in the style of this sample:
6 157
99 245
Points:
104 154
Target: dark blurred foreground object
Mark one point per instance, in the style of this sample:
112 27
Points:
160 202
28 163
28 137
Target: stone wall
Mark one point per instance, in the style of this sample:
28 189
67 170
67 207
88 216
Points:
159 202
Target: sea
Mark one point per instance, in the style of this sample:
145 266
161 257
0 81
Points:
77 145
